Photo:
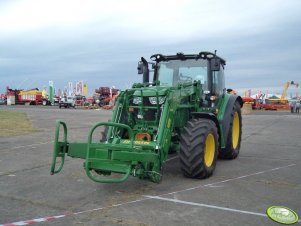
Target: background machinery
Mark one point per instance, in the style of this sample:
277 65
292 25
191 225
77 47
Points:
104 95
184 108
281 103
27 97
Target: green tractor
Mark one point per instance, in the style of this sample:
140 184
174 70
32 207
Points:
185 108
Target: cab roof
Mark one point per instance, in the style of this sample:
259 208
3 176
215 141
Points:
181 56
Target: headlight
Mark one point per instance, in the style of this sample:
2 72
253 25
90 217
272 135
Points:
137 100
153 100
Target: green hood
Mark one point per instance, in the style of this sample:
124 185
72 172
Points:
151 91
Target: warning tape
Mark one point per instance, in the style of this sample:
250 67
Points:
33 221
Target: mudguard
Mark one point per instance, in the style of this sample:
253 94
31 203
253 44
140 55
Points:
225 119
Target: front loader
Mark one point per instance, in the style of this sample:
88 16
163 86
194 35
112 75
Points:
185 108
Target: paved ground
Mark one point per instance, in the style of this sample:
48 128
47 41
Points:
266 173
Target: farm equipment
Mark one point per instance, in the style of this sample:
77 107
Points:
80 100
27 97
282 103
185 108
104 95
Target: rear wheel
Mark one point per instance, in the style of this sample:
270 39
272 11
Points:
234 137
199 148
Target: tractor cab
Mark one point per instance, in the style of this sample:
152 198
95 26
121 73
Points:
205 68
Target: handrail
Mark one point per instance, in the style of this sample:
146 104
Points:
88 161
56 147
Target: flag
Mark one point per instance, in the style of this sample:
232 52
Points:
85 90
70 88
79 88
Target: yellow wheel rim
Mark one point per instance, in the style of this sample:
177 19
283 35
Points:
235 130
209 150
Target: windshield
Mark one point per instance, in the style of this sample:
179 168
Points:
177 71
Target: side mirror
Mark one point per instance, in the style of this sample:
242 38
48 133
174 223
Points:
215 64
143 69
140 67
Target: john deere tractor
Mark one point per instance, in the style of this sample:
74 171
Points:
184 108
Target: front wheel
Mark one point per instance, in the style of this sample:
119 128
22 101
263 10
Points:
234 136
199 148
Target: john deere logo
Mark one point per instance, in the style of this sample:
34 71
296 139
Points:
282 215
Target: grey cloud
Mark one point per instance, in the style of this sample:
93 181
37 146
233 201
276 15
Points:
261 53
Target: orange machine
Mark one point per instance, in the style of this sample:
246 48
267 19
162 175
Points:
279 103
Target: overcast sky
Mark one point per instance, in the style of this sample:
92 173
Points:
101 42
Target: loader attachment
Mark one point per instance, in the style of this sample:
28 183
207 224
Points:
111 161
59 148
98 154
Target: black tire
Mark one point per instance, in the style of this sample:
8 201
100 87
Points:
194 148
60 106
234 137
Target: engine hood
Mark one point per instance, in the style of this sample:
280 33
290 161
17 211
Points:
151 91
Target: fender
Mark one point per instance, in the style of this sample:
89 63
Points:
212 117
224 115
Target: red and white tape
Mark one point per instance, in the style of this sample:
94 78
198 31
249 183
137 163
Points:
33 221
